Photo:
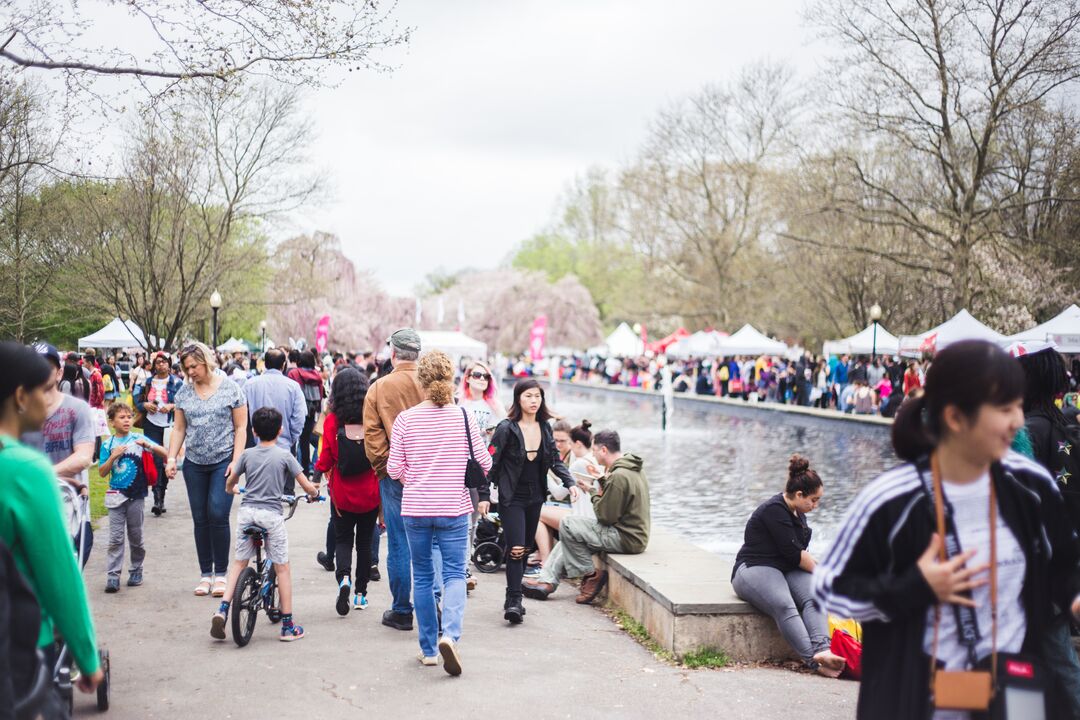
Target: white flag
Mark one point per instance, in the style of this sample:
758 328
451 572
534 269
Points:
461 313
440 313
419 308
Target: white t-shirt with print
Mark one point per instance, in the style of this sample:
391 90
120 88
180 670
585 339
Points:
971 514
158 394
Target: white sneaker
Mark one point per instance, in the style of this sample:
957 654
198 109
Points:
427 660
451 660
359 602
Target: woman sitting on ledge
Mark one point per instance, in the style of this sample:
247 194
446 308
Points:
773 569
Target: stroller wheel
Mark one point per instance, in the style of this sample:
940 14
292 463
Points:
487 557
104 689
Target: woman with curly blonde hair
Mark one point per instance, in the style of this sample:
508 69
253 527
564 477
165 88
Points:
429 451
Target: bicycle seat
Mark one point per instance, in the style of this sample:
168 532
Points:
255 530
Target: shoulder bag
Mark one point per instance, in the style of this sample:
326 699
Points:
474 473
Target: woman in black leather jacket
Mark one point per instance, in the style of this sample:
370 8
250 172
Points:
523 450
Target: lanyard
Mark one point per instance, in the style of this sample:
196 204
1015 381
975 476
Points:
966 621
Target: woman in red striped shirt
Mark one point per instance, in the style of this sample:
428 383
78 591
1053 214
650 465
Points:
429 449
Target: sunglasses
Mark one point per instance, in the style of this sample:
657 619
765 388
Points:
477 375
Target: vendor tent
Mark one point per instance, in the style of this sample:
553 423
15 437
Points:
1063 331
624 342
703 343
455 344
961 326
233 345
117 334
747 340
864 343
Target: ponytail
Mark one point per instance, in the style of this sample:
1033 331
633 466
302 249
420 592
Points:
911 438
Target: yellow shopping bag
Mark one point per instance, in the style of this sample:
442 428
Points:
851 627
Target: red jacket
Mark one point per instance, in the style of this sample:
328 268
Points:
352 493
306 376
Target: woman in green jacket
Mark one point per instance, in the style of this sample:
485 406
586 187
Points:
31 523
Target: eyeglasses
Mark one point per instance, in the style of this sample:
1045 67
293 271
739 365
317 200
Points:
477 375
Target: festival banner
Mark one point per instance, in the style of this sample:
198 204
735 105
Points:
537 338
322 333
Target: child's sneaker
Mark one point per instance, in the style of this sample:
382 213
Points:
359 601
217 626
112 585
292 632
344 588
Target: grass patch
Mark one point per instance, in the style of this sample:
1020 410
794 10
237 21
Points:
701 658
98 486
706 658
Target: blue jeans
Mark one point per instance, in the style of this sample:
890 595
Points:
210 506
452 536
397 554
1060 657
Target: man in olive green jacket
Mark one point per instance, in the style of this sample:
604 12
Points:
621 525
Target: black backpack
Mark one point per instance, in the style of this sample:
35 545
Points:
352 460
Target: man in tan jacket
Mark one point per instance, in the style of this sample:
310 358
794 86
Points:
386 398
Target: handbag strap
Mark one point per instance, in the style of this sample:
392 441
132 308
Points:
939 511
468 433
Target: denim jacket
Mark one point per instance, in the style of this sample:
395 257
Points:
140 392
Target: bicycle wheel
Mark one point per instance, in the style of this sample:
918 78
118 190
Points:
245 609
104 687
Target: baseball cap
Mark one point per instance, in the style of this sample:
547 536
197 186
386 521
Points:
49 352
405 339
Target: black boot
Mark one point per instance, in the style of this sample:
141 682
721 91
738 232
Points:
159 502
514 612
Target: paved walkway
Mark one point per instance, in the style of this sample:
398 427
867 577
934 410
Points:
565 661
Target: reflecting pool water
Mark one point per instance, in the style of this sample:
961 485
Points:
716 463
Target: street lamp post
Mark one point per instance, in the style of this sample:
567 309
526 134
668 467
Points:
875 315
262 343
215 305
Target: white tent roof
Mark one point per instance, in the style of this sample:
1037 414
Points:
233 345
863 343
961 326
624 342
747 340
117 334
453 343
701 344
1063 331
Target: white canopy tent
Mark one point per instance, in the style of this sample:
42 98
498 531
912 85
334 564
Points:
748 340
1063 331
233 345
863 343
961 326
117 334
624 342
455 344
703 343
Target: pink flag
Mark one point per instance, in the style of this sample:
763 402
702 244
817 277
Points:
322 333
537 338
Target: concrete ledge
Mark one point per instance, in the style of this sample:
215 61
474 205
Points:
683 596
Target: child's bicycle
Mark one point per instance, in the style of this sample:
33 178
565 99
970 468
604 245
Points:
256 588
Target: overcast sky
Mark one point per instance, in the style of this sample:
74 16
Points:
463 150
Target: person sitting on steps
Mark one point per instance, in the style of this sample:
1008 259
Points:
621 502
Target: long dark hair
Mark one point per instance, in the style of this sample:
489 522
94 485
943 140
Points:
347 396
74 377
1045 378
967 374
542 415
23 367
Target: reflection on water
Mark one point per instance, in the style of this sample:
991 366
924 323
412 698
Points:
715 464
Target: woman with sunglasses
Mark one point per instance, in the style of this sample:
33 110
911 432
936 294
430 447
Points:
523 451
924 595
479 396
211 415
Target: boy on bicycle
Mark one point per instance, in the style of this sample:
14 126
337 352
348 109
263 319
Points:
266 468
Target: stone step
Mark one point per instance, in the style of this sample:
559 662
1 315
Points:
682 594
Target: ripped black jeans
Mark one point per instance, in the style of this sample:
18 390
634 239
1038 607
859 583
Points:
519 529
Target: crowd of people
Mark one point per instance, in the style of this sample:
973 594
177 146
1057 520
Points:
403 451
966 552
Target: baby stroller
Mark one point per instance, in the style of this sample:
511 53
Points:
489 544
77 509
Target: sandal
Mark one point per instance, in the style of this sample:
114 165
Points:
203 588
219 587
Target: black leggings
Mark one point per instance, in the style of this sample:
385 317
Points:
350 528
519 529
